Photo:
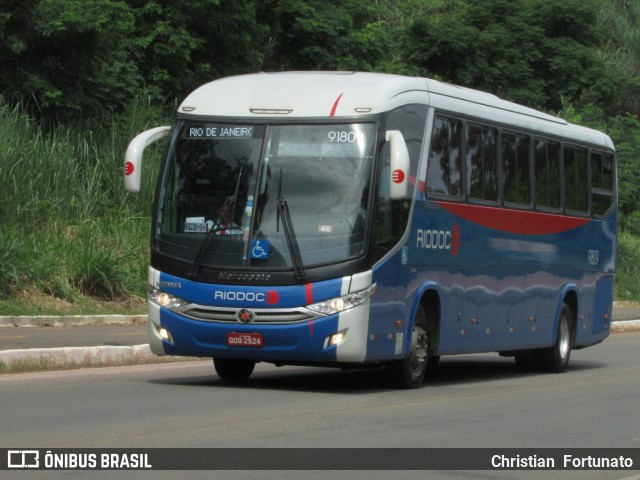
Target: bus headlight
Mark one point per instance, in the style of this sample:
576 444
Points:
340 304
164 299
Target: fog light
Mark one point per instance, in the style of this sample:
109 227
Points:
335 339
165 334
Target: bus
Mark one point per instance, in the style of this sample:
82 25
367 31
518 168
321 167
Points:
355 219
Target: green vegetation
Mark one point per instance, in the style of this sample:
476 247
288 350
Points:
81 77
68 230
628 267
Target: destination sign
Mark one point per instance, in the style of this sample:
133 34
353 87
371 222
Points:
218 131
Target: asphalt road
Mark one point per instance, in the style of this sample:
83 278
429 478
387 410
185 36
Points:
470 401
81 336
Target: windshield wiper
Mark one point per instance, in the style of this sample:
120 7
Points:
290 235
197 263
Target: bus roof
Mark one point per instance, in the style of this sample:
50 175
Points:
351 94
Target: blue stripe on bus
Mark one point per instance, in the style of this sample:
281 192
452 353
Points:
240 296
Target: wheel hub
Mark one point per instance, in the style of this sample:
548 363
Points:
419 345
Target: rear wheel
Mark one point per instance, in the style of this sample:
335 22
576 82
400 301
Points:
556 358
409 372
231 370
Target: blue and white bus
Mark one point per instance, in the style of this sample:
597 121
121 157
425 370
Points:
359 219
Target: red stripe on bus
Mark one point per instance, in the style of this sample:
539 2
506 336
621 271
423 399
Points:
514 221
309 293
335 106
421 185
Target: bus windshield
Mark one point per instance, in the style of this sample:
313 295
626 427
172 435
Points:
223 187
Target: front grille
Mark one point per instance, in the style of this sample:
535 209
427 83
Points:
213 314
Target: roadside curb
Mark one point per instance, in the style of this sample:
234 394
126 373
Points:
625 326
69 320
66 358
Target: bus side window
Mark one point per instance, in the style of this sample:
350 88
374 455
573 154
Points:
602 176
392 217
443 174
576 192
515 169
482 163
547 173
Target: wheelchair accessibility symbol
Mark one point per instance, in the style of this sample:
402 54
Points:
260 249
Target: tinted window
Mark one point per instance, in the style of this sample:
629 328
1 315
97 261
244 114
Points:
602 178
576 191
443 175
482 161
601 171
547 171
392 216
515 166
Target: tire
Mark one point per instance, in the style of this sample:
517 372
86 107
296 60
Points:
409 372
231 370
556 358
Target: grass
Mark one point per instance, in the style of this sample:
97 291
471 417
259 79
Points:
97 267
32 302
628 268
71 239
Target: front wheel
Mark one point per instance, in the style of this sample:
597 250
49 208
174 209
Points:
231 370
409 372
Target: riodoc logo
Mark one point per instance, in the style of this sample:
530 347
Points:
270 298
439 239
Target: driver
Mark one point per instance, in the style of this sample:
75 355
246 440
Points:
225 225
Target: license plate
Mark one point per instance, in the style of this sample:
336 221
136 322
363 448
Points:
235 339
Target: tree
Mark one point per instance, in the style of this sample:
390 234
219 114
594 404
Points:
322 35
69 58
181 45
63 58
621 51
530 51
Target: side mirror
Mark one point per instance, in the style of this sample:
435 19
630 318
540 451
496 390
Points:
133 157
399 164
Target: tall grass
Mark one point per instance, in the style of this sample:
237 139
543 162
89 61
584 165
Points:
622 20
628 267
66 224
